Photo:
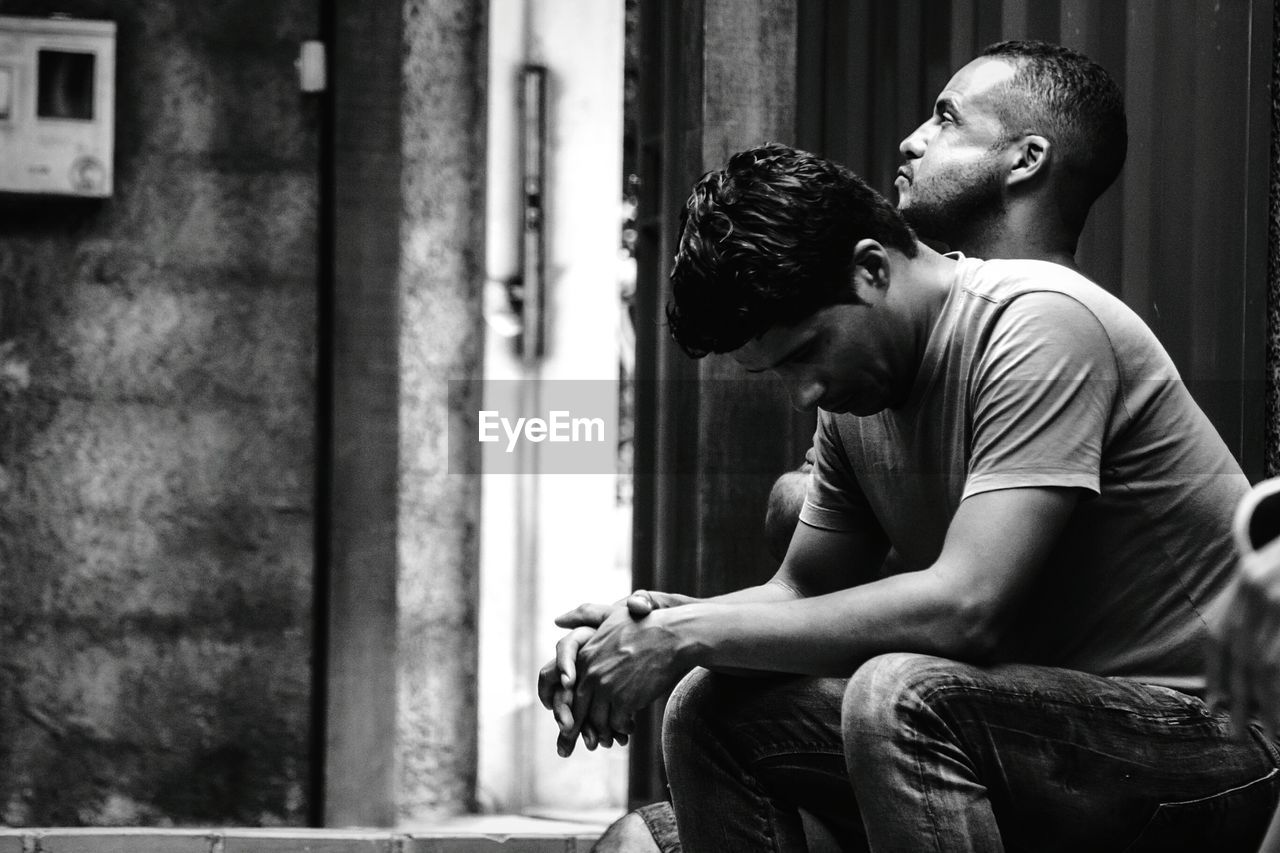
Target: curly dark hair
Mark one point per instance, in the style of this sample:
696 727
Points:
768 240
1074 103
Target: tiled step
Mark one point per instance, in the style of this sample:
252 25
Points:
478 834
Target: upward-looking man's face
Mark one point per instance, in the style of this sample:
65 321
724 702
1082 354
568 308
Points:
953 176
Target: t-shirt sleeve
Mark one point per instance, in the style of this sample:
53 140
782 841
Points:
1042 394
834 500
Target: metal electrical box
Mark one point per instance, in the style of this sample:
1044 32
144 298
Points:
57 106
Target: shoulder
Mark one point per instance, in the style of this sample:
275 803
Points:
1028 284
1032 304
1067 304
1051 302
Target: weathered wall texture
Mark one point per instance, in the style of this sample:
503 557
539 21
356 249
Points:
441 339
157 439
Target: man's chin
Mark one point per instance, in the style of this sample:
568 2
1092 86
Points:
951 218
900 187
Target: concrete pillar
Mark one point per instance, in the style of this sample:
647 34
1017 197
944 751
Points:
408 243
441 339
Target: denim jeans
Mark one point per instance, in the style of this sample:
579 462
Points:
928 754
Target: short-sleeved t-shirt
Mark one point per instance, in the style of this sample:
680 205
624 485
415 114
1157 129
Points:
1033 376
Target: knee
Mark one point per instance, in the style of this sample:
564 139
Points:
708 707
886 693
684 708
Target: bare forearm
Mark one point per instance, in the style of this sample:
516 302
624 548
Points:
957 608
826 635
773 591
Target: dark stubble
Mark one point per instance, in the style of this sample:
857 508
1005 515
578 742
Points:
951 208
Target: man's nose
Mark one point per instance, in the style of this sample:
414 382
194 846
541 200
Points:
913 146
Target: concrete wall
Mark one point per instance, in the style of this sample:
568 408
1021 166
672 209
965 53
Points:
157 439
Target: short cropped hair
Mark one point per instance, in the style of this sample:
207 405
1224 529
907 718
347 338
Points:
768 240
1074 103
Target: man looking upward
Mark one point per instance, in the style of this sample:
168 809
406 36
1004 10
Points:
1061 113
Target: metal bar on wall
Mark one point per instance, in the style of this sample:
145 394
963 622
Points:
533 153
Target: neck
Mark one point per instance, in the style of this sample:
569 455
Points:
932 275
919 289
1024 231
1007 245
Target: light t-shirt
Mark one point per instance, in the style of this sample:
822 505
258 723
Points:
1035 376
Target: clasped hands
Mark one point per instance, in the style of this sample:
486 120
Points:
616 660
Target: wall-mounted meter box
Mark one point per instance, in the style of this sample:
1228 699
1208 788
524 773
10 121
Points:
57 105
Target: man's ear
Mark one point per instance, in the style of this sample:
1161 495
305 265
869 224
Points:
1030 158
870 265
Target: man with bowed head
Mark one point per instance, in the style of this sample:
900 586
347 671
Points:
1026 674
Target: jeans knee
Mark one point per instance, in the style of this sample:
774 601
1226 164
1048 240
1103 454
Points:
887 691
683 708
